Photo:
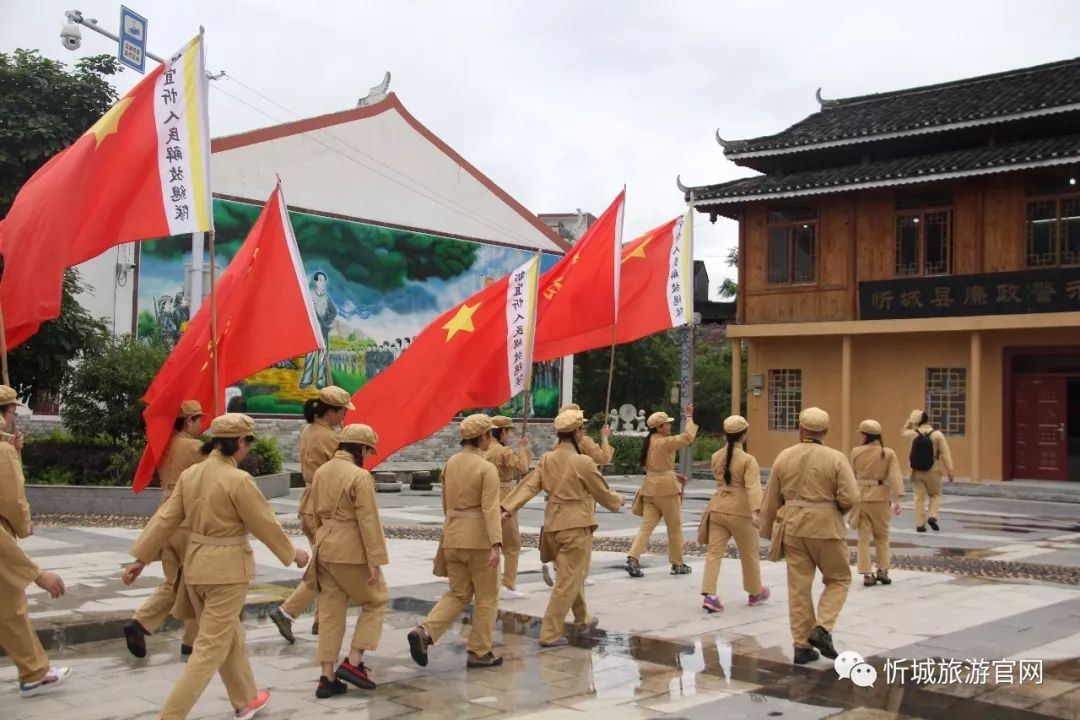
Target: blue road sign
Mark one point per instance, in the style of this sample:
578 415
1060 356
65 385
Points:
132 50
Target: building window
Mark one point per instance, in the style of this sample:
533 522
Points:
1053 231
946 399
792 233
785 399
924 234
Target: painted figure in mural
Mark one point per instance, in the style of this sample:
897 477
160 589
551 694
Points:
168 328
316 367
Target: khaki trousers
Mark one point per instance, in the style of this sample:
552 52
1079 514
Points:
804 556
511 549
20 641
302 597
218 648
927 484
572 556
668 507
723 527
874 518
158 605
339 583
469 576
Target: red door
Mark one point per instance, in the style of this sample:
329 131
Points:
1039 413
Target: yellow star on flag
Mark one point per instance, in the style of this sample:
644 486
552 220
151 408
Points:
110 121
462 320
639 251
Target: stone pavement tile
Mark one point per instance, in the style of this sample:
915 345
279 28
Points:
681 702
753 707
605 707
1066 707
1026 695
869 714
36 708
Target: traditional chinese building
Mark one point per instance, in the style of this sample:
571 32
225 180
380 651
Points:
917 249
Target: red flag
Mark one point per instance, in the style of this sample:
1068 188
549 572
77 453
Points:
264 286
140 172
474 355
579 294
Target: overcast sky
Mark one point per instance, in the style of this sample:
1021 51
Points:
561 102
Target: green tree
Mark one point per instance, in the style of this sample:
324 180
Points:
103 395
730 288
645 371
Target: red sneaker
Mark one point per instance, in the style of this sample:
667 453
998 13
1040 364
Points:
259 703
355 674
760 597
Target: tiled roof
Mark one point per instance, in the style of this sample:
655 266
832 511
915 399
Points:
1042 89
922 168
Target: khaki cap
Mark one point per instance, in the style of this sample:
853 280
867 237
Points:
659 418
914 418
569 406
360 434
189 409
232 425
735 424
474 426
814 419
337 397
569 421
870 427
501 421
8 396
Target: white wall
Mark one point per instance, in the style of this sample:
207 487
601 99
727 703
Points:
110 296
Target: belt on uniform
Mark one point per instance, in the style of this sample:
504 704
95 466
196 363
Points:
338 523
870 483
811 503
506 484
731 488
219 541
466 513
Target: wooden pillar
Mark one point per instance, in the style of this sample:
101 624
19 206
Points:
736 376
845 392
974 409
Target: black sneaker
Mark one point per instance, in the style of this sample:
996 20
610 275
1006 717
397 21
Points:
805 655
822 640
330 688
681 569
356 674
135 635
633 567
186 650
486 661
920 528
869 580
883 577
932 522
418 645
284 624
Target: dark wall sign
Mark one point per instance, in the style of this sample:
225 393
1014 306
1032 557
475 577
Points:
1009 293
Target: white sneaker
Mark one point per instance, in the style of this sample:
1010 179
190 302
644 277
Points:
41 686
588 581
506 593
548 570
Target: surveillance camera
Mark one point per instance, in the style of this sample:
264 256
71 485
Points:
71 36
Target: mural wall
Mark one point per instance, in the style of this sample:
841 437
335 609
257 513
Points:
373 289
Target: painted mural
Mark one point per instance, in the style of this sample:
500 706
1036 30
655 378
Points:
373 289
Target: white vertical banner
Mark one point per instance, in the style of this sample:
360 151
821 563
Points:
680 288
521 322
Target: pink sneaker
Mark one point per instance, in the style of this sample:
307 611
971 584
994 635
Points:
259 703
712 604
760 597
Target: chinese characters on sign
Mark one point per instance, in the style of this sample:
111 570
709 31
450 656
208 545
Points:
520 320
932 671
1028 291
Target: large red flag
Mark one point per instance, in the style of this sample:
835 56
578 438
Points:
263 287
580 293
140 172
474 355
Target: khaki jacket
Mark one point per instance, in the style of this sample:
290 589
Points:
222 504
14 510
17 571
942 457
182 453
508 462
573 484
470 498
660 476
318 443
601 454
743 496
344 494
877 473
810 472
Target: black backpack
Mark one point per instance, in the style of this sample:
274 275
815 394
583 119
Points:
922 451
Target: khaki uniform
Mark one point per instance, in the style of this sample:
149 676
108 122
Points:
574 485
318 443
510 464
221 504
730 515
810 489
926 484
348 539
877 473
17 571
470 498
662 493
601 455
182 453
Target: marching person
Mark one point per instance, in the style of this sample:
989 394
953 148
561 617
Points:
928 458
349 553
511 465
182 453
471 545
318 443
877 471
17 571
574 485
221 504
733 512
661 490
810 489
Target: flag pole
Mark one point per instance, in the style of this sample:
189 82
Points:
3 349
213 322
610 375
614 325
686 459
